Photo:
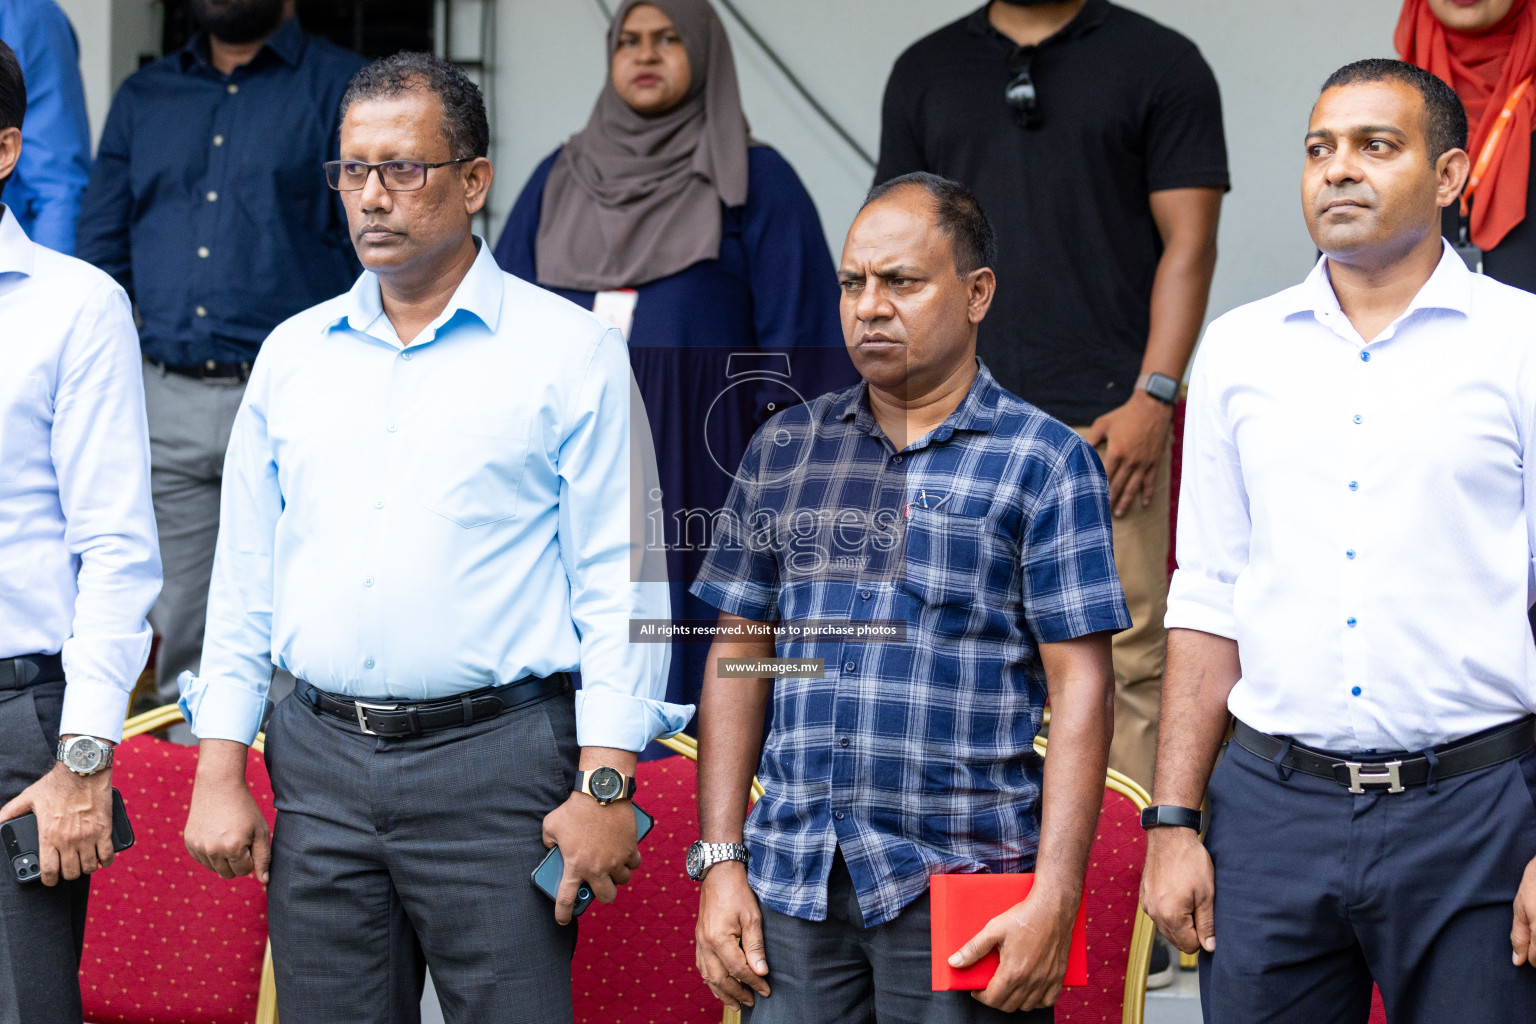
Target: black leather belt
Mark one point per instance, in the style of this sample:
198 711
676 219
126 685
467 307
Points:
417 717
1394 771
207 370
30 670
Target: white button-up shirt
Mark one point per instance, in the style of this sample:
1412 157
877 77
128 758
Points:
79 562
419 521
1358 516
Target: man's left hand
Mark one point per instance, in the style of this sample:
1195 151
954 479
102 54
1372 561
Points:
1032 940
598 844
1523 936
1134 436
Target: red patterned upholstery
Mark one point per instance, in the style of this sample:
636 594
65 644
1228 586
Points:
1378 1012
634 958
168 941
1112 894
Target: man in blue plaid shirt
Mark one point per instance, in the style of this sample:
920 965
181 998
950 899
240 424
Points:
928 498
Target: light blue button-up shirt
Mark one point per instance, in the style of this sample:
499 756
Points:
413 522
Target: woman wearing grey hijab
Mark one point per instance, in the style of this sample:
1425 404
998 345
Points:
702 244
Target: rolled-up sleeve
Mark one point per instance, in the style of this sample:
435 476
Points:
1214 526
620 703
228 701
100 450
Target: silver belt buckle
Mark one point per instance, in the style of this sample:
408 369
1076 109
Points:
362 722
1359 777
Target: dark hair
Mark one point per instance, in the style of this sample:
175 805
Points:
464 125
1445 119
959 214
13 94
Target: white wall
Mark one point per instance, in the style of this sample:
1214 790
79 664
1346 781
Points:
1270 56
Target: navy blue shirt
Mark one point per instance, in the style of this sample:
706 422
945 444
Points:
207 200
988 537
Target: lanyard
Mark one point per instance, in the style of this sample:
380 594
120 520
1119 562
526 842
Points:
1491 144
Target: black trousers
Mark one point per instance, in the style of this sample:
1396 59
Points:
42 928
391 855
839 972
1320 891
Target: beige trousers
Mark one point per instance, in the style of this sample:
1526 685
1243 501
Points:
1141 559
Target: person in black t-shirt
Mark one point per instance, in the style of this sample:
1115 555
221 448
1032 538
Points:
1093 137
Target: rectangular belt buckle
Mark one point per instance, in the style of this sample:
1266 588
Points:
362 721
1359 778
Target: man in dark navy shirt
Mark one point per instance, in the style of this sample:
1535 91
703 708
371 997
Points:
208 203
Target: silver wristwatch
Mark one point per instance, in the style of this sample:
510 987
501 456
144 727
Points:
85 755
702 856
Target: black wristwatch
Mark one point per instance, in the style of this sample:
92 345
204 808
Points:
1160 386
605 785
1163 815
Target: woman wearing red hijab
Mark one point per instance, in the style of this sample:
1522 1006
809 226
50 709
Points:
1486 51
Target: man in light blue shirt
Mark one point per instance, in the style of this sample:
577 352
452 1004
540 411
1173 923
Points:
79 568
44 192
427 520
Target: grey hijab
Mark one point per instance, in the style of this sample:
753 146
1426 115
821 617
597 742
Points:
632 199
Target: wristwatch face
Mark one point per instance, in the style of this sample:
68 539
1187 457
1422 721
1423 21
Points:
695 861
83 755
606 784
1163 388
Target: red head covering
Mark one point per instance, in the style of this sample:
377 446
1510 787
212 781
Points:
1484 69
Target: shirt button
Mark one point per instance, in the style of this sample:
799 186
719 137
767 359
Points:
380 504
233 88
202 252
1358 418
367 663
896 459
1354 485
213 197
865 595
1354 691
843 742
849 667
218 140
839 815
1350 553
391 428
201 311
368 582
1350 622
405 355
1365 357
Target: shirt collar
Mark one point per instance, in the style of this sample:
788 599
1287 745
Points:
287 43
16 256
478 295
977 411
1089 18
1449 287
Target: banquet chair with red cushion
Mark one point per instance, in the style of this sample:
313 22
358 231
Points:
167 940
1119 932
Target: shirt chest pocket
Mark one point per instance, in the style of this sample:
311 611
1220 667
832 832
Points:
472 466
950 557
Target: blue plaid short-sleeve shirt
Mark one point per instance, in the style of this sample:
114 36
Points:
987 537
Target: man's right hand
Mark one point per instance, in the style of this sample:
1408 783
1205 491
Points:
1178 888
225 830
731 956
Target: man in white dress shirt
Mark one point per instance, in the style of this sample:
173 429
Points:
426 519
1355 565
79 568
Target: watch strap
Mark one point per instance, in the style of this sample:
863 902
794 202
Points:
711 854
1166 815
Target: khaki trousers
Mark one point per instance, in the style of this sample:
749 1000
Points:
1141 559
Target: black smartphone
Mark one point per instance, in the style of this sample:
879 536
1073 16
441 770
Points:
550 870
19 838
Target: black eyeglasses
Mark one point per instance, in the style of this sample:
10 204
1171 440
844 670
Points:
1020 92
395 175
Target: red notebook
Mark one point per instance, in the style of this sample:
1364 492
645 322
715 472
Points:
962 905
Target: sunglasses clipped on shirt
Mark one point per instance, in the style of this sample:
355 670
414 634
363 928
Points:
395 175
1020 91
